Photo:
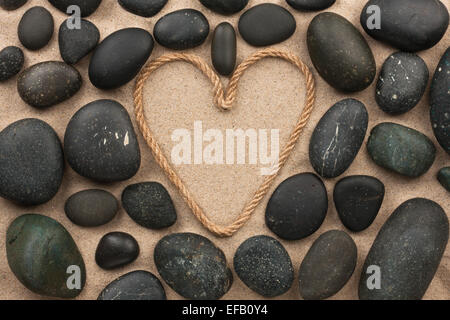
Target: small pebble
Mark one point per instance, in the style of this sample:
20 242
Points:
444 177
12 4
226 7
223 49
11 62
115 250
143 8
87 7
310 5
36 28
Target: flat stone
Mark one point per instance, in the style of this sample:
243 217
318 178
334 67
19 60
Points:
75 44
337 138
44 257
328 265
297 207
11 62
135 285
115 250
264 265
407 26
358 200
100 142
440 102
226 7
193 266
91 208
12 4
444 177
340 53
402 82
149 205
131 46
266 24
310 5
31 162
223 49
87 7
48 83
182 29
36 28
407 251
401 149
143 8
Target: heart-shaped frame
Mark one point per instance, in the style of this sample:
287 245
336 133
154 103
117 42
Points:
224 102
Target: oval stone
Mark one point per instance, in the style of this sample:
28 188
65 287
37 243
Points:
266 24
36 28
358 200
115 250
132 47
340 53
143 8
407 251
444 177
401 149
406 25
11 62
328 265
338 137
226 7
12 4
193 266
223 49
310 5
297 207
87 7
91 208
135 285
402 82
100 142
48 83
40 253
440 102
149 205
264 265
31 162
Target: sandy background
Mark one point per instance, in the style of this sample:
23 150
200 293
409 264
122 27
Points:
271 95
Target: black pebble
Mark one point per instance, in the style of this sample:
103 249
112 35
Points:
12 4
358 200
266 24
226 7
297 207
444 178
143 8
223 49
264 265
135 285
31 162
87 7
115 250
11 62
36 28
74 44
310 5
182 29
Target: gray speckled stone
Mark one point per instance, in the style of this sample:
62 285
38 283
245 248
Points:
12 4
87 7
143 8
226 7
444 177
407 250
310 5
11 62
193 266
35 28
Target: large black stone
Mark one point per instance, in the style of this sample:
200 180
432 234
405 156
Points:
11 62
36 28
12 4
115 250
223 49
87 7
225 7
143 8
310 5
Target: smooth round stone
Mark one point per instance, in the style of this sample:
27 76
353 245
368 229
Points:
297 207
36 28
31 162
358 200
75 44
193 266
11 62
310 5
143 8
87 7
226 7
266 24
223 49
12 4
444 177
182 29
91 208
340 53
44 257
100 142
407 251
402 83
132 47
135 285
149 205
407 25
264 265
328 265
115 250
440 102
401 149
338 137
48 83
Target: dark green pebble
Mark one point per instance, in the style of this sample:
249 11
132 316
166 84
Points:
444 177
223 49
